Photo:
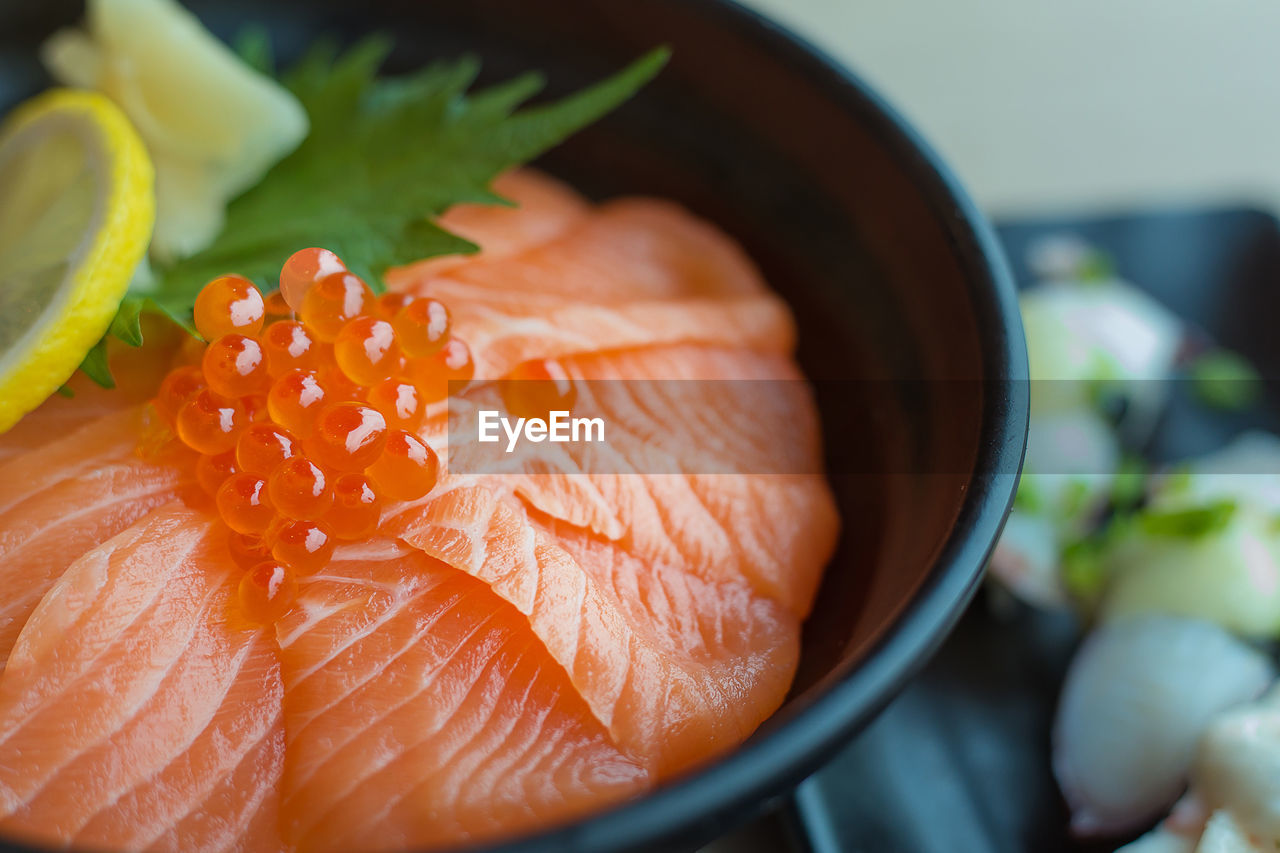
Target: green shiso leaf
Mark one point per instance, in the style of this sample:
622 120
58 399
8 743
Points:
384 158
95 365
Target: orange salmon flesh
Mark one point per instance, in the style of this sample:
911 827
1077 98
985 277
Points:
511 652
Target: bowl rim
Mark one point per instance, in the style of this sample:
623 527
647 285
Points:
695 808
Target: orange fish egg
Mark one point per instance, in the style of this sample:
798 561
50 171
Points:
406 470
244 504
295 400
393 302
348 436
339 386
303 269
235 365
305 545
209 423
179 386
247 551
366 350
537 388
263 446
334 301
276 305
400 402
289 346
299 489
422 327
230 304
267 592
434 373
356 508
213 471
455 358
255 408
324 353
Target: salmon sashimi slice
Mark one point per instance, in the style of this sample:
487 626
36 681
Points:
677 616
749 501
134 713
729 489
62 500
419 705
625 250
635 273
671 693
507 332
58 416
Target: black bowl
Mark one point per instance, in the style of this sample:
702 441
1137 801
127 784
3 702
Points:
907 315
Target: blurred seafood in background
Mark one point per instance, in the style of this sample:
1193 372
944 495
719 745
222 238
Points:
1176 569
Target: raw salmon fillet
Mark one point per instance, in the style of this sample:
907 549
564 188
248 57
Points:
134 713
412 693
519 648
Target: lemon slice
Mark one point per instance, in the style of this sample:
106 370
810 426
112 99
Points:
77 205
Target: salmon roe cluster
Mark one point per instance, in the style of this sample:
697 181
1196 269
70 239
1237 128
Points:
303 410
